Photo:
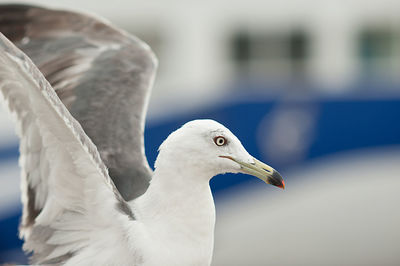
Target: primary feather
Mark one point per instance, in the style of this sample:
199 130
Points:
66 187
101 74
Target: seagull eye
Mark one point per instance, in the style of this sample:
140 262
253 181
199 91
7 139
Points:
219 141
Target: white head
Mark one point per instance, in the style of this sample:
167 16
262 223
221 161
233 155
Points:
208 147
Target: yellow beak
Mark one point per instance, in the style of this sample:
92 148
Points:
261 170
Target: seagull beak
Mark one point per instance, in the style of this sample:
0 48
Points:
261 170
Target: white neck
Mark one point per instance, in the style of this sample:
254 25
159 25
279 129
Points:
179 214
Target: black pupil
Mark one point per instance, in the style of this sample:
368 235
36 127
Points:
220 141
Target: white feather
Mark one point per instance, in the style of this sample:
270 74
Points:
60 164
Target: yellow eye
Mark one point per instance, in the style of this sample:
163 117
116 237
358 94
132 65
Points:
220 141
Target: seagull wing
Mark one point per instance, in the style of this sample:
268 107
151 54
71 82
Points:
102 75
70 202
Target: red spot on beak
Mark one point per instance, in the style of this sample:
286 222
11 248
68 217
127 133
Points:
283 185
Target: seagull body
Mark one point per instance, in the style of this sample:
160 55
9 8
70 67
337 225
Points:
90 198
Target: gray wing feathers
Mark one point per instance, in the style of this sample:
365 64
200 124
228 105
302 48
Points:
101 74
68 196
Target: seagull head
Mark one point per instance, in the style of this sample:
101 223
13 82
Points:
206 146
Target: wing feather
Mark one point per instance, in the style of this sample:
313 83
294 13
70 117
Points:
68 195
101 74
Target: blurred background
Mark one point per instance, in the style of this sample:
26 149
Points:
310 87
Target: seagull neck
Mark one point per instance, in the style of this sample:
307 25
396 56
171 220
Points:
184 204
180 188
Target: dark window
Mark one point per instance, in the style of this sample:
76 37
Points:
270 55
379 53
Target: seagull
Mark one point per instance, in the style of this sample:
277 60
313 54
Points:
78 89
